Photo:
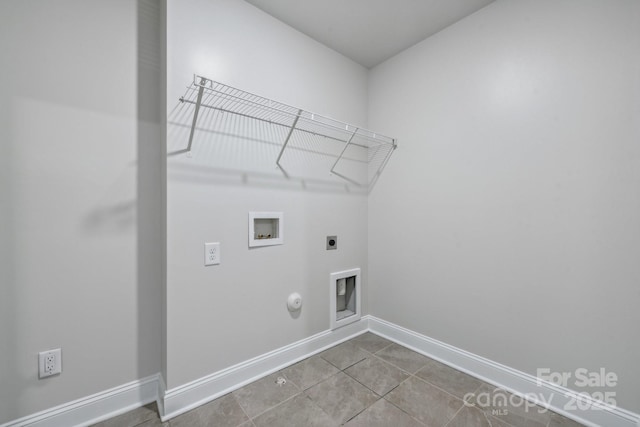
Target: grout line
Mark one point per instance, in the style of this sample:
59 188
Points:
355 379
389 343
353 364
482 383
354 340
276 405
367 387
346 367
439 388
433 385
487 418
237 403
320 382
278 373
386 346
392 365
403 370
382 361
399 384
405 412
318 406
455 415
364 409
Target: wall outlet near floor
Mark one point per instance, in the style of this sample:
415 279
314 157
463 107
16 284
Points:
212 253
50 363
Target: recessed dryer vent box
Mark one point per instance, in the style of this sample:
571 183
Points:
344 294
266 228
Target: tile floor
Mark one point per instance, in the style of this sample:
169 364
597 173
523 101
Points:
365 382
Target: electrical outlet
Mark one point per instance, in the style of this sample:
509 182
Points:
212 253
50 363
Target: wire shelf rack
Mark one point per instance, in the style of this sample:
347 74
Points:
360 154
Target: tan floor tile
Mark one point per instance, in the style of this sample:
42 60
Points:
403 358
383 414
378 376
341 397
296 412
449 379
222 412
371 342
425 402
310 372
264 394
344 355
132 418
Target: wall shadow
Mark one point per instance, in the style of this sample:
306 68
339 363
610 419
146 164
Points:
10 393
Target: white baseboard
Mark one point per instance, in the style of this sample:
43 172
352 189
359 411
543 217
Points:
173 402
95 408
510 379
191 395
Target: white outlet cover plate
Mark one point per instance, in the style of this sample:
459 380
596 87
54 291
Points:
212 253
56 367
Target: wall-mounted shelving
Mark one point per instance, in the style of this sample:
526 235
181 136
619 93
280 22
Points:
358 155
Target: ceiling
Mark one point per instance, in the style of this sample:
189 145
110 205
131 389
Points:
369 31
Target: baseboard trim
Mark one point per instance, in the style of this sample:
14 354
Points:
176 401
191 395
95 408
517 382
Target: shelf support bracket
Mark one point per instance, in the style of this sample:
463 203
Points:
196 111
340 157
286 141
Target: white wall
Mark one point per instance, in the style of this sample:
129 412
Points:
77 259
221 315
507 222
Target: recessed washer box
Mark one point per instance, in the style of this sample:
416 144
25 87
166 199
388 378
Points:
266 228
344 297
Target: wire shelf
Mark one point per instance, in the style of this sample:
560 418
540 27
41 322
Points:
360 154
